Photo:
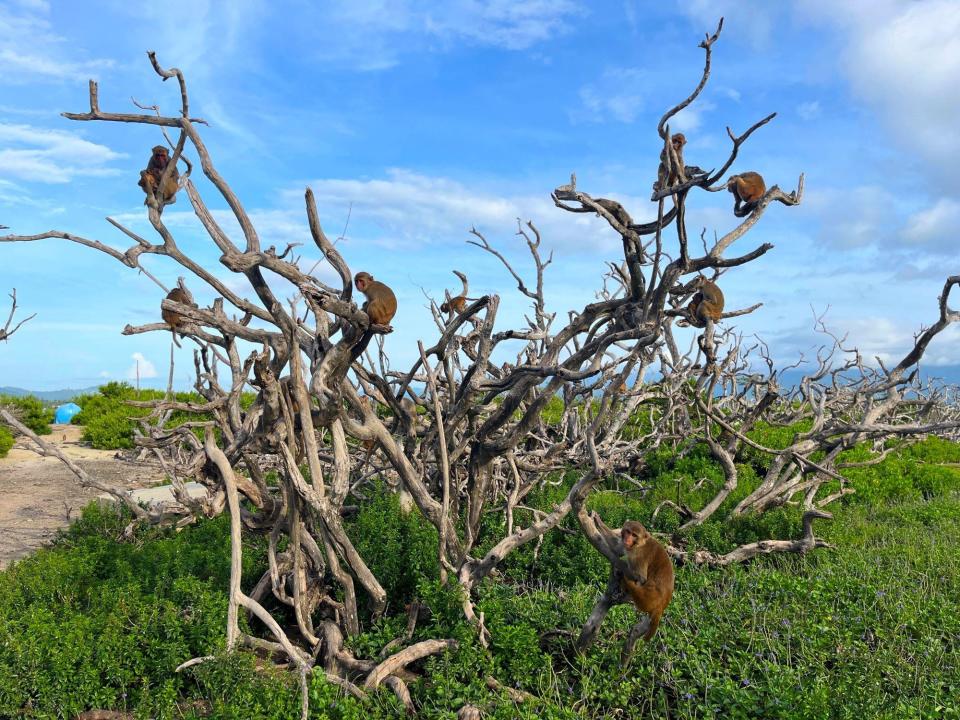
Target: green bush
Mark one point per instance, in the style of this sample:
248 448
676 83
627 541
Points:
109 421
30 411
869 629
6 441
401 550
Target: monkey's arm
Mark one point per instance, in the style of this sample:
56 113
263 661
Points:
623 567
641 567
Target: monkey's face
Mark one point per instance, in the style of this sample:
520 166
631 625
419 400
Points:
362 281
678 141
633 533
160 158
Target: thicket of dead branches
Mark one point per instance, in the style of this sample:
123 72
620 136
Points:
463 433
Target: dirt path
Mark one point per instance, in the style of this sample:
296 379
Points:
39 495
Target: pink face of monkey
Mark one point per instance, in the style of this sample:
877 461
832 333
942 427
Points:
632 533
362 280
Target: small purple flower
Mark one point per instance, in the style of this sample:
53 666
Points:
745 682
785 622
688 696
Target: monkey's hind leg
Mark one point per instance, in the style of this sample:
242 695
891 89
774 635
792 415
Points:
646 628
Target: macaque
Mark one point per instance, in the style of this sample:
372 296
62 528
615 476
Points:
747 188
150 178
616 209
172 317
648 560
668 178
706 304
459 302
381 306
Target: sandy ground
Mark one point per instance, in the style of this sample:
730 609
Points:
39 495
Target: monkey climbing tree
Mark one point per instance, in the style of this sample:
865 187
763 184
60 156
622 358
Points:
488 413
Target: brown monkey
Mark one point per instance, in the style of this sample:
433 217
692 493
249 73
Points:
667 178
616 209
647 559
381 306
747 188
150 178
459 302
706 304
172 317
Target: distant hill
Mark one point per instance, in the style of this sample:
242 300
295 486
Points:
47 395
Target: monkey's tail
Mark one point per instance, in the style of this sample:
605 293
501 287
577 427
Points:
654 624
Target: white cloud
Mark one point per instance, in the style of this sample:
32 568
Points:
510 24
809 110
25 31
690 118
103 374
51 156
854 217
753 21
891 340
934 229
617 95
904 59
731 93
407 209
373 34
141 365
186 44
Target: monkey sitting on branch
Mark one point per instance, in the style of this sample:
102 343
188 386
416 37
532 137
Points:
380 306
153 182
705 306
671 170
171 317
459 303
648 560
747 189
641 572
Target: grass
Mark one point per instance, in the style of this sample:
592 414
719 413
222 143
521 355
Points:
869 630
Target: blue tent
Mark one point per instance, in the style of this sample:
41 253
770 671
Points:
65 413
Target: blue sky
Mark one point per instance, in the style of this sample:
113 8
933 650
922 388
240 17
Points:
429 118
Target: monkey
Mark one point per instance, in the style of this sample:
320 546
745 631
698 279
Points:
747 188
151 177
706 304
675 174
459 302
616 209
172 317
381 306
647 559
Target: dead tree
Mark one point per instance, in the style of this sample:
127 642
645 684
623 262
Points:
460 434
6 331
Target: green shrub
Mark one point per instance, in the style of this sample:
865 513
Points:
400 549
6 441
109 421
869 629
30 411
